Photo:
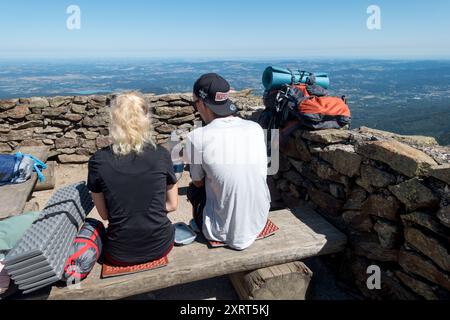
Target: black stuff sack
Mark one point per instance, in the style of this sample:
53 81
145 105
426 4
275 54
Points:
85 251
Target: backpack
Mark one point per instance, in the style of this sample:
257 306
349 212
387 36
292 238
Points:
85 251
309 106
17 168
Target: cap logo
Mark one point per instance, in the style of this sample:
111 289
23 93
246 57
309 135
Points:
203 94
222 96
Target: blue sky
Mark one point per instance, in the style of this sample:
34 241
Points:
225 29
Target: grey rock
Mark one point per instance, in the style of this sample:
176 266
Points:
441 173
400 157
95 121
358 220
356 198
388 234
103 142
72 117
28 124
166 128
79 109
417 264
81 100
429 246
63 143
18 112
414 195
8 104
60 123
55 112
47 130
343 158
327 203
34 117
329 136
293 177
73 158
296 149
421 288
38 103
371 176
444 216
182 120
59 101
375 251
17 135
383 207
425 220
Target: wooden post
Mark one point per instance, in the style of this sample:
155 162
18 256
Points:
50 178
283 282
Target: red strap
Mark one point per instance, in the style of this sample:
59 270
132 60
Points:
95 235
77 254
77 275
88 241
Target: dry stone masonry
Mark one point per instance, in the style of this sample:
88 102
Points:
388 193
75 127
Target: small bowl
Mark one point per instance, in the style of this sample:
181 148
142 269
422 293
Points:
184 234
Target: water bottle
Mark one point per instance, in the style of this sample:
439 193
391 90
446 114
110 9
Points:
175 148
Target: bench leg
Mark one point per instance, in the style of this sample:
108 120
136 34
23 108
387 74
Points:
31 206
50 178
283 282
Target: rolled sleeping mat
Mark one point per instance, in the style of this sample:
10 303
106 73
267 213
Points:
275 78
85 251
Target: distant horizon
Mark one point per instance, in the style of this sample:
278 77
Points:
223 59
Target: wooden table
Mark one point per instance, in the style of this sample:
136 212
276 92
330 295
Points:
14 197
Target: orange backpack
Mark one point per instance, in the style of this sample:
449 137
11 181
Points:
308 105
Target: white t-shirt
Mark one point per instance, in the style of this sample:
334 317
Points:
230 153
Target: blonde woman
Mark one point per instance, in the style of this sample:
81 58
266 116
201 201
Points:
134 186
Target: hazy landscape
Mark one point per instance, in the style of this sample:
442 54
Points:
407 97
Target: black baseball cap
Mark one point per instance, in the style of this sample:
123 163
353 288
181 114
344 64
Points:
214 91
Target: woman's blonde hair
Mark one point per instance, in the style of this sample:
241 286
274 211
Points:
131 125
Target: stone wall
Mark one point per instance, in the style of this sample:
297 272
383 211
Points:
75 127
389 193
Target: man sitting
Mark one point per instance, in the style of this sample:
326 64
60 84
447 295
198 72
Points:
228 162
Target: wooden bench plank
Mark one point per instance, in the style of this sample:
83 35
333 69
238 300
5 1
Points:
303 234
14 197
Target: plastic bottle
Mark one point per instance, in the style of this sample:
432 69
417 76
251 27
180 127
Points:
175 148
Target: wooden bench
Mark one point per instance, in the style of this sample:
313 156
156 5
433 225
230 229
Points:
303 234
14 197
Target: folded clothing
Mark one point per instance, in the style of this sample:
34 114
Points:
4 279
13 229
18 168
